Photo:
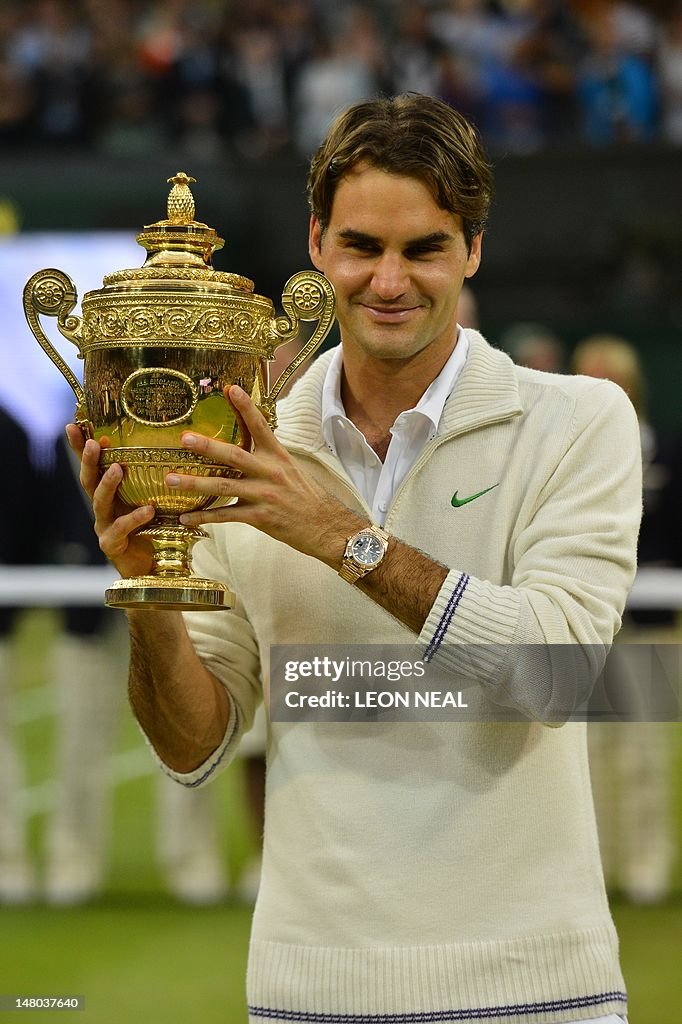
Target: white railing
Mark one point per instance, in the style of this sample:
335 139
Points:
55 586
52 586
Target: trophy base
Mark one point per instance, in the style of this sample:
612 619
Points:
173 593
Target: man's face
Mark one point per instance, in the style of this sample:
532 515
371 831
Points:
397 262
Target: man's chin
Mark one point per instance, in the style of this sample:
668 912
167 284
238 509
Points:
391 349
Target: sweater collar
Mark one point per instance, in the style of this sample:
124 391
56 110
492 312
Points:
486 391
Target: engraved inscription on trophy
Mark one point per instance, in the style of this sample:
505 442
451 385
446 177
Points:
159 396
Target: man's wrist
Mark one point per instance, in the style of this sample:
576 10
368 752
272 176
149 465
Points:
365 551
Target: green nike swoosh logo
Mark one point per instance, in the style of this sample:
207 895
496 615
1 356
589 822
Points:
458 502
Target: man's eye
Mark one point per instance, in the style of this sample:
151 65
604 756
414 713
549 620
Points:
364 247
422 250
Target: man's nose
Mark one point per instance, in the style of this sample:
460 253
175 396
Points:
390 278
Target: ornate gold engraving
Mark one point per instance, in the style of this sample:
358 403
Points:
159 317
194 274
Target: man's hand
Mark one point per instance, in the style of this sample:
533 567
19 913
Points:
115 523
274 494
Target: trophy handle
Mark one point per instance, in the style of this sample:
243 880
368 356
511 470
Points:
53 293
306 296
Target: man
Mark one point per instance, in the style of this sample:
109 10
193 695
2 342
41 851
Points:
411 871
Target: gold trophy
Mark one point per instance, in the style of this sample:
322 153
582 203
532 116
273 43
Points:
159 344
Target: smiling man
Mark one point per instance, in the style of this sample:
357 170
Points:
421 489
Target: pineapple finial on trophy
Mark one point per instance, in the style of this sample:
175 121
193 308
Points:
180 239
180 200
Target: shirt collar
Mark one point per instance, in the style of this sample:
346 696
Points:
430 405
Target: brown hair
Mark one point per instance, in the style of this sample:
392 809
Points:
412 134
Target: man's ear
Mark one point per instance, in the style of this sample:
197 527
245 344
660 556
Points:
315 243
474 260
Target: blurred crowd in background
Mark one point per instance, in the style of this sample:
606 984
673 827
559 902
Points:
221 78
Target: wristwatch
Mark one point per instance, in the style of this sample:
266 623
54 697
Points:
364 551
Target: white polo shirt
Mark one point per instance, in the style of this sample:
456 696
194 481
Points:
379 481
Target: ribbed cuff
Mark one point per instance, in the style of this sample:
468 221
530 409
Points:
219 759
470 611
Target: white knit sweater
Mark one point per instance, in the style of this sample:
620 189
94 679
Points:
419 872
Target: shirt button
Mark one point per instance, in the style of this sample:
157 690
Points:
383 506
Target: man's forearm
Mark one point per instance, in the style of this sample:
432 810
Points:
406 584
181 706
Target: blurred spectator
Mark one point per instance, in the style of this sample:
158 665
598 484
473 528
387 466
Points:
670 78
294 28
616 82
471 35
456 87
15 104
339 73
413 54
88 669
513 67
258 69
513 87
470 29
631 761
544 43
53 48
159 36
19 545
635 27
129 124
16 91
536 346
188 846
467 308
191 89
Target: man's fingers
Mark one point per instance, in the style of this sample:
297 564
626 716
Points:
105 492
254 429
230 455
218 486
253 419
247 441
115 538
224 514
90 472
74 436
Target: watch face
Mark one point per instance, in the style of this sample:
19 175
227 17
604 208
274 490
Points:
367 549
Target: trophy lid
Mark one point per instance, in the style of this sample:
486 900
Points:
180 248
